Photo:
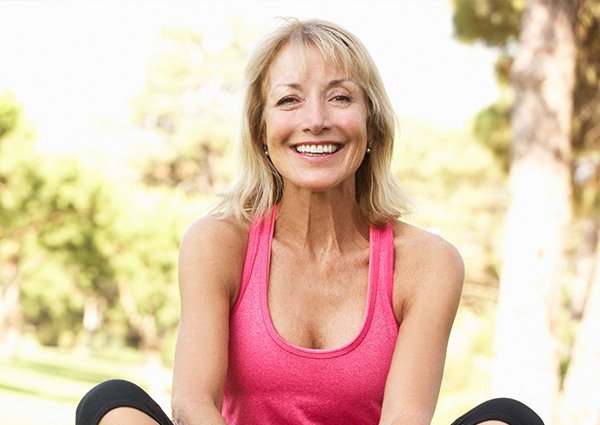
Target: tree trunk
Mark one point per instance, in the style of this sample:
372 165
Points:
526 362
157 377
93 307
580 402
144 325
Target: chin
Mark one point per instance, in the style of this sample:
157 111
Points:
320 186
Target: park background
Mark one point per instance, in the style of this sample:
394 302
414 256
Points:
118 123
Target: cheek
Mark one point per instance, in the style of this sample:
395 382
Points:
357 129
357 122
275 129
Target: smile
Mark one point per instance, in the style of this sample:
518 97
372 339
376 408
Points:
317 149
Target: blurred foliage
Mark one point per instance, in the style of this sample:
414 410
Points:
79 244
21 213
491 126
9 113
188 108
460 192
463 387
496 24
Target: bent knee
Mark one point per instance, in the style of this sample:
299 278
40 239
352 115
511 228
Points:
105 397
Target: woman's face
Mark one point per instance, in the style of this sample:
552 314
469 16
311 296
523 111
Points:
315 122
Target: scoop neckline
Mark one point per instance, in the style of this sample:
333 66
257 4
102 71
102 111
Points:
368 310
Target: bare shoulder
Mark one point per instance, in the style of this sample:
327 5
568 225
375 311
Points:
428 250
426 265
222 233
214 248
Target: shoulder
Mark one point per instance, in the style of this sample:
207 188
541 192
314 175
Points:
225 233
213 250
430 252
426 266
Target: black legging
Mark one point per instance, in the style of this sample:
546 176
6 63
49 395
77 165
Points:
118 393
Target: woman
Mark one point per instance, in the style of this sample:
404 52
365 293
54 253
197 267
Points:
304 299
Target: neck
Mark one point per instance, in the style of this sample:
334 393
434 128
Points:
320 222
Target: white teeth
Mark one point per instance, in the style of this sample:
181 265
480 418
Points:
317 148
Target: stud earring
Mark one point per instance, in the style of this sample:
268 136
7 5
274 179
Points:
369 149
266 150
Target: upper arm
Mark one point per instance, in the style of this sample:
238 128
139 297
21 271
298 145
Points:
210 263
428 280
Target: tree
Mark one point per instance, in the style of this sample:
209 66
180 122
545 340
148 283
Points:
76 254
34 199
20 185
543 75
116 252
187 111
498 24
77 247
557 66
145 263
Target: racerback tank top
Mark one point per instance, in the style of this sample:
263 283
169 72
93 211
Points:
270 381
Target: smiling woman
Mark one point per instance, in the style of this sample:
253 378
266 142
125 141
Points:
281 79
305 299
316 122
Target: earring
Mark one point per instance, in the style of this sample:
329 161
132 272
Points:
266 150
369 149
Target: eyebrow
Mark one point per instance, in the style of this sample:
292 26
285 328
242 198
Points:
298 86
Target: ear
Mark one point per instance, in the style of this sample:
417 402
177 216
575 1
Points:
262 133
370 130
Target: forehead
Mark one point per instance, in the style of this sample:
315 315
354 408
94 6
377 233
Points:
296 62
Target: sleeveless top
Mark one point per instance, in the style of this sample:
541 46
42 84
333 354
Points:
270 381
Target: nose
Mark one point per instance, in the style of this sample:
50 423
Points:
316 117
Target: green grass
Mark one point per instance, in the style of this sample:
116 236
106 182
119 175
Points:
43 385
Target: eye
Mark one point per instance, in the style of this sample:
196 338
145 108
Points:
343 98
288 100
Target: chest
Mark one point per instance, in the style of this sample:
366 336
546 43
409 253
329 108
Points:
318 351
317 302
340 306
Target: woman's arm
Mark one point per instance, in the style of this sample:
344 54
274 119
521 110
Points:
427 286
210 265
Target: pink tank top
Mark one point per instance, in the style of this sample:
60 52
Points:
270 381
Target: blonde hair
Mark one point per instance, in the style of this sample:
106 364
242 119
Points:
259 186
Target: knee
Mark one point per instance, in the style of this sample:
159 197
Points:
113 389
512 412
500 411
104 397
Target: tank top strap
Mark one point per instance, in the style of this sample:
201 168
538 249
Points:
382 242
258 248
